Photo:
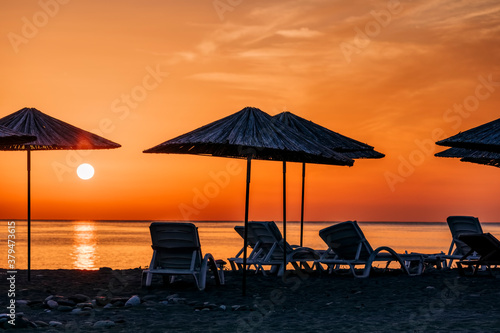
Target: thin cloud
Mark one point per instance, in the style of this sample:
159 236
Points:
299 33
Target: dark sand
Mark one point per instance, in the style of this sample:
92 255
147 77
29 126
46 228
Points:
437 301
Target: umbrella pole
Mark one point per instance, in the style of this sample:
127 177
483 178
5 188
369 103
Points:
29 213
284 218
302 204
245 239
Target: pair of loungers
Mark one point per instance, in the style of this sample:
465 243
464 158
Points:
347 246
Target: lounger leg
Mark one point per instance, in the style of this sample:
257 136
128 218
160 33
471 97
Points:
202 274
149 278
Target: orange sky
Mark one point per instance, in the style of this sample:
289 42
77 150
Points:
395 75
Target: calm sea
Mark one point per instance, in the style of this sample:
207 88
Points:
127 244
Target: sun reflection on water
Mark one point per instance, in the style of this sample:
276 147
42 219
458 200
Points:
84 246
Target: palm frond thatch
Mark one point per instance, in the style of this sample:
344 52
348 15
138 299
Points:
485 137
472 156
51 133
328 138
250 132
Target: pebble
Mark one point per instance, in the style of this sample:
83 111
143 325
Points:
133 301
170 297
64 308
104 324
150 298
239 307
119 301
54 323
84 305
100 300
79 298
66 302
41 323
52 304
177 300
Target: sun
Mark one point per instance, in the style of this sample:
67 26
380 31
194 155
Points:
85 171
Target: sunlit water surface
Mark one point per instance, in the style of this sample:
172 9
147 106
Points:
127 244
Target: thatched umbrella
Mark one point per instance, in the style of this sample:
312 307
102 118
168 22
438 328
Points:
51 134
485 137
250 134
327 138
473 156
9 137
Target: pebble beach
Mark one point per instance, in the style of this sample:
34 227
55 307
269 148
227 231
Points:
114 301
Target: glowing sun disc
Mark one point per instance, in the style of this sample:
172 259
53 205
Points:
85 171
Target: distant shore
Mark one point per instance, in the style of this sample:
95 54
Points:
83 301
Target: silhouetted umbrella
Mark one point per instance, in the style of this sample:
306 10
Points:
327 138
485 137
251 134
9 137
472 156
51 134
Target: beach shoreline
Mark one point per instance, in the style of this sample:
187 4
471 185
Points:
438 300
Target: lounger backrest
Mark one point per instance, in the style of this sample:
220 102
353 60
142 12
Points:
251 241
347 240
269 237
177 245
461 225
486 245
266 232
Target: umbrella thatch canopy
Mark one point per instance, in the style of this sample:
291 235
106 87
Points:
51 133
9 137
485 137
251 134
473 156
327 138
